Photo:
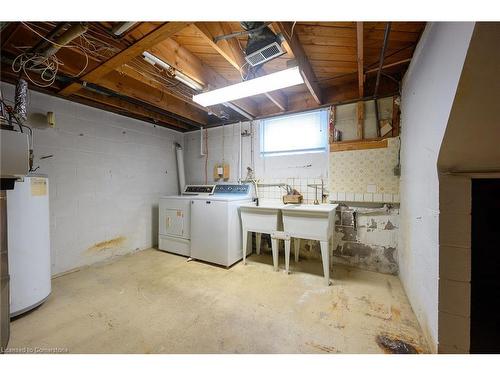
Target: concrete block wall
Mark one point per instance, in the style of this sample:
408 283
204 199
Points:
428 92
367 238
106 174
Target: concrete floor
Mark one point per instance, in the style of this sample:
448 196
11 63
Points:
155 302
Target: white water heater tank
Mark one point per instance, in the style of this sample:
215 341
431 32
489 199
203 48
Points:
29 243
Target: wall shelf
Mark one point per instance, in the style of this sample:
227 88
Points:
361 144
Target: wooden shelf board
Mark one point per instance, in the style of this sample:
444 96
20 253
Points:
362 144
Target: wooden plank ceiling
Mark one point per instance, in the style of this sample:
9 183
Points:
339 62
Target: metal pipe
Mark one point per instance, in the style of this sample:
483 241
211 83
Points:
49 36
240 33
382 55
65 38
377 82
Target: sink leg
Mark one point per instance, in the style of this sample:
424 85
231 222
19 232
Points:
287 255
296 244
258 236
274 247
325 255
330 245
245 245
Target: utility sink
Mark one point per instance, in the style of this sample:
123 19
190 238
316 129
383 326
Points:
264 218
309 221
312 222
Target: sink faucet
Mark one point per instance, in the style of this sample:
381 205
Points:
323 191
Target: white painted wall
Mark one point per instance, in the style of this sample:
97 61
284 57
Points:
428 91
106 175
303 166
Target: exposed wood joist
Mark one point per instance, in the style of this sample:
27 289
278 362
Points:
360 58
187 63
148 41
136 109
344 93
133 88
295 48
230 49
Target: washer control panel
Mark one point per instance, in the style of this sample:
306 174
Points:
199 189
232 189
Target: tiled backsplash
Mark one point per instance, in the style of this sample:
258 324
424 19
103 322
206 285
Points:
365 175
300 184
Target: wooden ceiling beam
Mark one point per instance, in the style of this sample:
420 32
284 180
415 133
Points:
295 47
347 92
156 36
137 89
187 63
360 58
231 50
135 109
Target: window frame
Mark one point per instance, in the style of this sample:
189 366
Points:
323 113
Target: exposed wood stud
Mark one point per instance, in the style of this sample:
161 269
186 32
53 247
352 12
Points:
395 116
360 58
360 112
331 124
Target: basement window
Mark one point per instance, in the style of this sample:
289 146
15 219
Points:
294 134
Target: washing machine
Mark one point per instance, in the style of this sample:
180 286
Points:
204 223
216 224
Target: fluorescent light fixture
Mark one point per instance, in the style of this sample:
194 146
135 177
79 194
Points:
260 85
181 77
122 27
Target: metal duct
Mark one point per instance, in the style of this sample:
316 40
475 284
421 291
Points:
21 100
181 173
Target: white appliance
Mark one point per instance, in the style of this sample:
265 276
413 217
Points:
29 243
175 220
205 226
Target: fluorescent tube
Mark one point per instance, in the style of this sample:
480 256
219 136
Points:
122 27
153 60
260 85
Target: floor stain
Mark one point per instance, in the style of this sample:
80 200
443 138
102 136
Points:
105 245
323 348
395 313
392 345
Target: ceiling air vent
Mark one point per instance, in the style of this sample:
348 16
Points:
265 54
262 45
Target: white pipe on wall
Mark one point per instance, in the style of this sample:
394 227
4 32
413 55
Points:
240 158
201 142
181 173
